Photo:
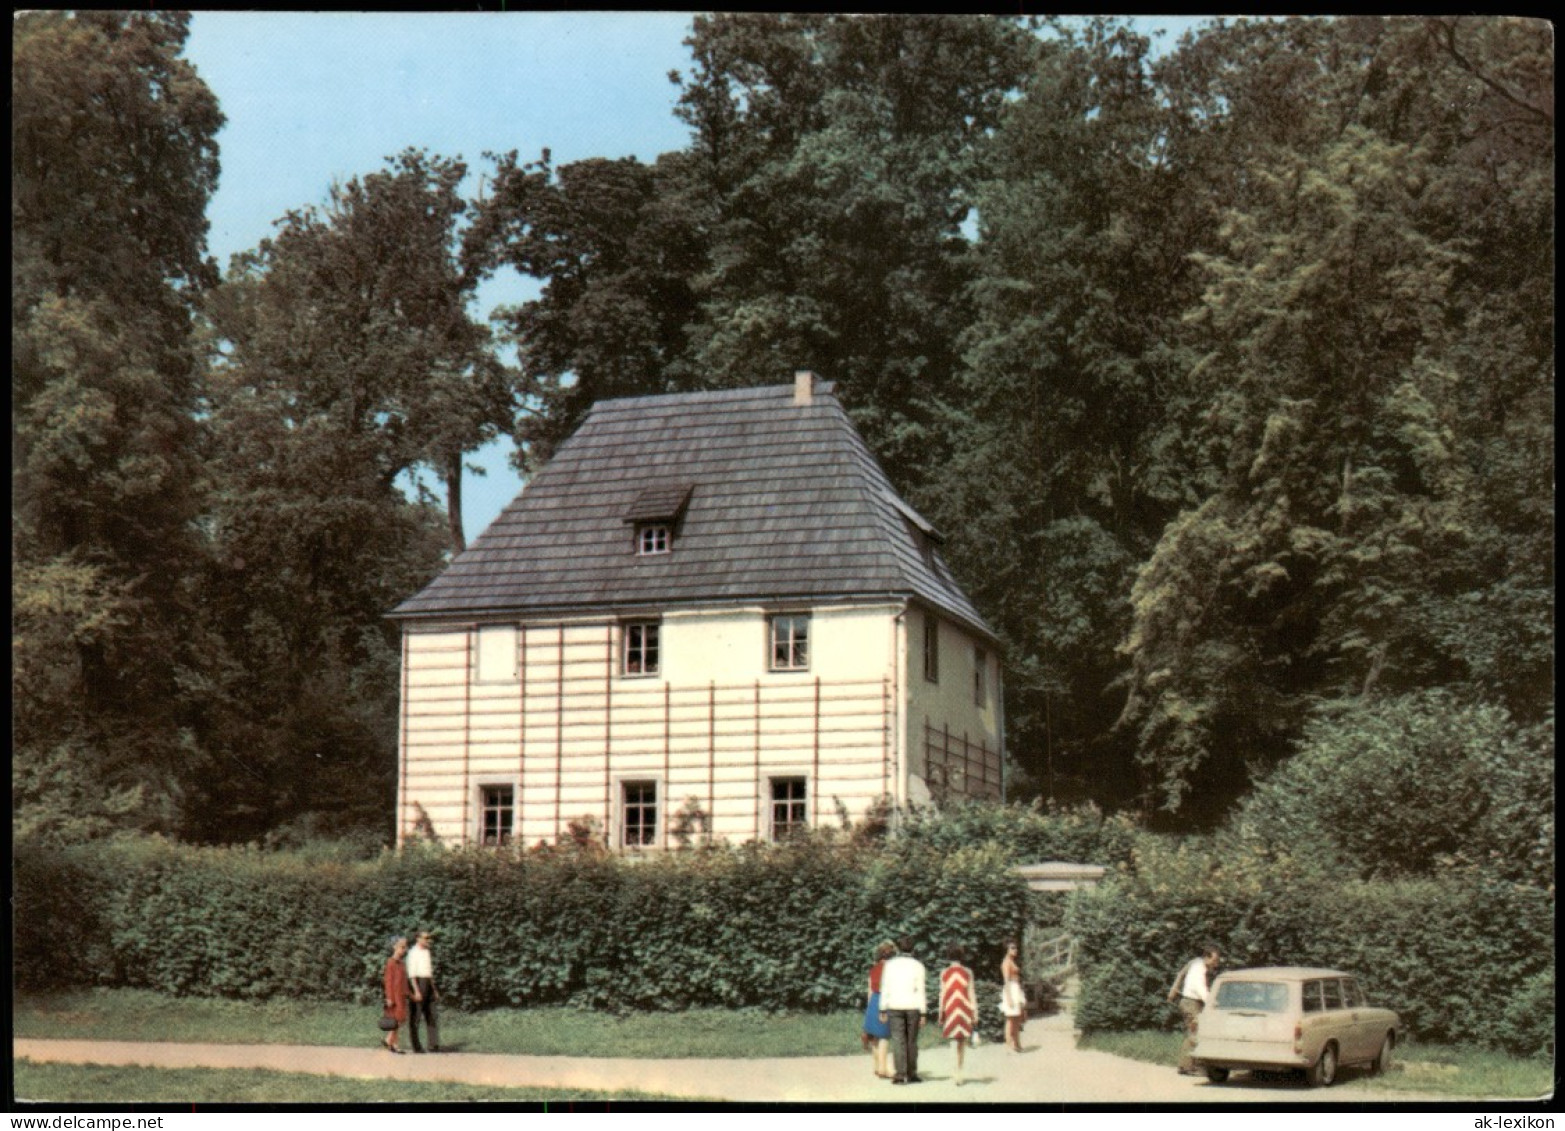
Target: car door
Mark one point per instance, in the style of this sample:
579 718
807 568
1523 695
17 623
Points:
1336 1021
1366 1025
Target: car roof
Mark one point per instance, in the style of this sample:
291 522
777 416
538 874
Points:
1283 973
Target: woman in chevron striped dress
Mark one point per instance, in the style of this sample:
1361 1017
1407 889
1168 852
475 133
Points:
958 1004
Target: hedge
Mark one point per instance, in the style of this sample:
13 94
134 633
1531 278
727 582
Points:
1460 958
783 928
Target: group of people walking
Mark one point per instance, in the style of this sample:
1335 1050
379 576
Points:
409 982
896 1006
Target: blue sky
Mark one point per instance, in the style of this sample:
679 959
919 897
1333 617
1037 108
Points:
313 98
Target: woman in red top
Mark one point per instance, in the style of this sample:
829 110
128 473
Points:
877 1033
396 989
958 1004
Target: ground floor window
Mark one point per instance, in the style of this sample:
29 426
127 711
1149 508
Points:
790 807
638 814
496 815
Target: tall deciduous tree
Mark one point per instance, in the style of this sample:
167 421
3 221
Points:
113 159
1066 461
360 311
836 158
1377 521
619 252
343 357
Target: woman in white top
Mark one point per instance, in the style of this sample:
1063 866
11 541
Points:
1013 1002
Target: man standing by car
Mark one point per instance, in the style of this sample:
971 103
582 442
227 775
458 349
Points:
902 1006
1189 990
421 988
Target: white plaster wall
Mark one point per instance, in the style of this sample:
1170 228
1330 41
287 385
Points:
715 724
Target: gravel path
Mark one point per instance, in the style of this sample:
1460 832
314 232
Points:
1051 1070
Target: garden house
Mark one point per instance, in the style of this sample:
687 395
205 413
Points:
708 613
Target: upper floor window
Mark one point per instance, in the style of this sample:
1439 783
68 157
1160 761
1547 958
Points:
496 815
931 648
790 635
495 655
789 807
653 538
980 677
641 648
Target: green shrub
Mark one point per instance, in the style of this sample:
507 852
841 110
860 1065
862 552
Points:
1418 945
790 927
1410 786
1026 834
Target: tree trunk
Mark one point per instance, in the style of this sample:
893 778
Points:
453 478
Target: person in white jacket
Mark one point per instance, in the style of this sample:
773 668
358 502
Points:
903 1004
1190 990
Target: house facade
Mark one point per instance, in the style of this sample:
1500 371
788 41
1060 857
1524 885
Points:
709 613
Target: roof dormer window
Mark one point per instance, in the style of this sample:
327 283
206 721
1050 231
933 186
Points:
655 511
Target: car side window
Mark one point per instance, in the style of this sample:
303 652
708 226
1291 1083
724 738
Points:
1351 997
1332 989
1312 998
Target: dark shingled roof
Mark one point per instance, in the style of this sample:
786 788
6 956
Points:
780 502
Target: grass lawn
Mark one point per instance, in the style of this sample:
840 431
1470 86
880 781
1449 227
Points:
1431 1069
98 1083
138 1015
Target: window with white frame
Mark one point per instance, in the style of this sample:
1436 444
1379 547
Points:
931 648
642 648
496 815
495 654
980 676
790 642
638 818
653 538
790 807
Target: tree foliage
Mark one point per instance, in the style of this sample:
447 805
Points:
343 357
113 158
1345 337
1415 785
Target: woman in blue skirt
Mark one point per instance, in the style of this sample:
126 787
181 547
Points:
877 1033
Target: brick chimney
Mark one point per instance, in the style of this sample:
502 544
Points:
803 388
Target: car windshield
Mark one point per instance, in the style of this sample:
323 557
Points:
1266 997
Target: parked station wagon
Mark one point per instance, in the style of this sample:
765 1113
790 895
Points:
1292 1017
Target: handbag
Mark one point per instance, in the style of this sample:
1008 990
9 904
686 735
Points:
388 1023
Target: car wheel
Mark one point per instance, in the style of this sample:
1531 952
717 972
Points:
1323 1072
1382 1063
1217 1075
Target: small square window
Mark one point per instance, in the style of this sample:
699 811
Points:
931 648
638 814
495 654
790 808
652 539
496 815
790 643
642 648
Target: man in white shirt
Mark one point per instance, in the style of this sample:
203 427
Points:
1190 990
902 1004
421 987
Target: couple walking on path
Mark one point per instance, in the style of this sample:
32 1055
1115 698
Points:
409 984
